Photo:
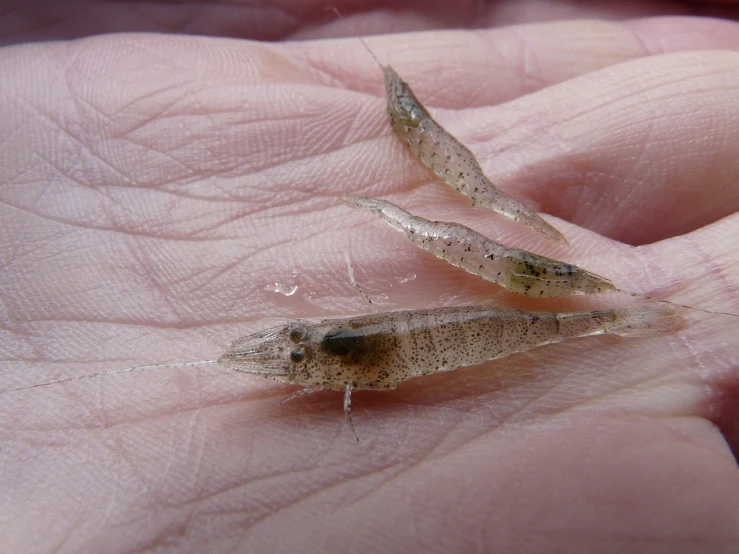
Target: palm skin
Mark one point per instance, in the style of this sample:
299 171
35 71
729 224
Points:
157 190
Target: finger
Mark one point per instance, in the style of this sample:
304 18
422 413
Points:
626 41
463 69
637 152
669 206
512 12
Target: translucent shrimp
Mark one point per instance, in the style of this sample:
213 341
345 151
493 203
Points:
449 159
380 351
517 270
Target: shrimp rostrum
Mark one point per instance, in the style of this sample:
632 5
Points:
382 350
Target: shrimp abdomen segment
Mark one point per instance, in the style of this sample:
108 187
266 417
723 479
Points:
648 320
449 159
445 340
533 275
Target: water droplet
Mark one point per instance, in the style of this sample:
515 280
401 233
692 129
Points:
282 289
407 278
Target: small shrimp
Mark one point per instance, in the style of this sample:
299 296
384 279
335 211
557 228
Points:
517 270
449 159
382 350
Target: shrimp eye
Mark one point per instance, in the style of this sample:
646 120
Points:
297 355
296 335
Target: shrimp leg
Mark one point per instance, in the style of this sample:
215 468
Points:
517 270
449 159
348 410
303 392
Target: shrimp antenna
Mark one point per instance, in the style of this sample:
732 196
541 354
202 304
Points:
115 372
704 310
335 10
352 280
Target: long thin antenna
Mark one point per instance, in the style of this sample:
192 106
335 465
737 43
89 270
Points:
654 298
352 280
115 372
335 10
348 410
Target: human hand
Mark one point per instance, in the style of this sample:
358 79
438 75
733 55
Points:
155 188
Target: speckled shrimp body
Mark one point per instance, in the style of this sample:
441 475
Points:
382 350
517 270
449 159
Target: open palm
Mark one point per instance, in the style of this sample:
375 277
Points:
163 195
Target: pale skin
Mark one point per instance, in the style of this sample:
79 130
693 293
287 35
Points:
155 188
